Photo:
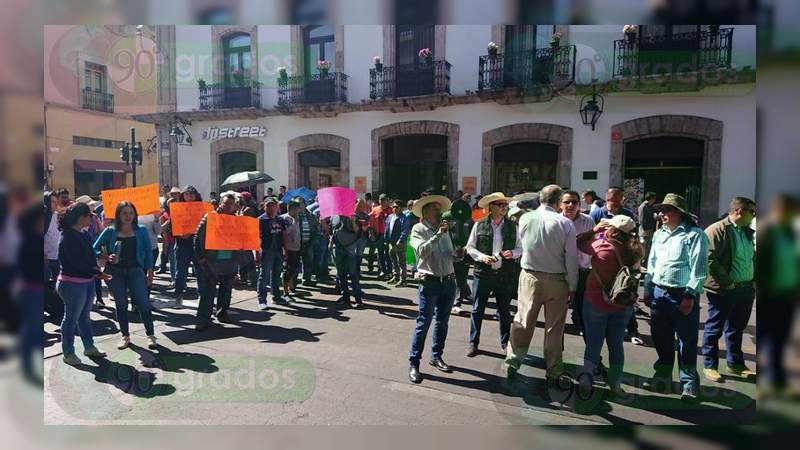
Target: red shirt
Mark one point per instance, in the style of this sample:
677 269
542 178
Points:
378 218
169 238
605 264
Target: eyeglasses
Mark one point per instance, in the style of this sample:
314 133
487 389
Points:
501 205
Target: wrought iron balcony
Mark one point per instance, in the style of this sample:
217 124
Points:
298 90
221 96
410 80
96 100
678 53
527 70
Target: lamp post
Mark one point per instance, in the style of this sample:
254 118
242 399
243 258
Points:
180 133
131 154
591 107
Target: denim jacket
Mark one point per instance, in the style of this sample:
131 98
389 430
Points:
144 252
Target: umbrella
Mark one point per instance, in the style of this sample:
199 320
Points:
304 192
245 179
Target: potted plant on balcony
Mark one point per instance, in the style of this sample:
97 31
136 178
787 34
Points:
378 64
492 48
555 39
425 55
201 83
630 33
282 75
323 67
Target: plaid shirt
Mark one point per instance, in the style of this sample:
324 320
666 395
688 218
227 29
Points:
679 258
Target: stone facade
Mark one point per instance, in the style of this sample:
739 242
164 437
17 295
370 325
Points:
239 144
313 142
707 130
526 132
450 130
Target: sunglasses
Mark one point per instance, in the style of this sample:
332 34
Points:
667 209
501 205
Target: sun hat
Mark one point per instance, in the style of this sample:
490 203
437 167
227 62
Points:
486 200
85 199
622 223
428 199
675 201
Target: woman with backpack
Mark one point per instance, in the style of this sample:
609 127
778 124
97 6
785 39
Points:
607 309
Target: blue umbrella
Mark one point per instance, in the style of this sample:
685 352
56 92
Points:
304 192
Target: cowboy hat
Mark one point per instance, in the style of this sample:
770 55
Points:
175 190
526 197
85 199
675 201
428 199
493 197
514 208
621 222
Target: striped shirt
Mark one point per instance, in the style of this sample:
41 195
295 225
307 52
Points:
679 258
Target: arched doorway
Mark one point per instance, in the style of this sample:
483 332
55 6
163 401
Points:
524 166
236 161
319 168
233 155
664 164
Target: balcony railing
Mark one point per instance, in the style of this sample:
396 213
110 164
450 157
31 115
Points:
527 70
220 96
98 101
681 52
298 90
410 80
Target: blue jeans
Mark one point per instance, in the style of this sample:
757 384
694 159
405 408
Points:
77 298
482 287
665 322
307 255
269 275
347 267
133 281
172 261
728 311
321 258
435 299
185 256
610 327
51 269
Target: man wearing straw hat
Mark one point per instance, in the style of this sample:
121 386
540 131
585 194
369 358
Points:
494 245
434 252
676 269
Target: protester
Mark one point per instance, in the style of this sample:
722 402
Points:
75 285
167 242
570 208
281 193
272 230
362 219
219 270
346 241
592 201
549 278
378 217
494 245
617 246
434 252
677 268
247 263
52 235
185 255
126 246
31 289
777 282
396 231
309 235
647 223
729 288
293 247
460 221
152 224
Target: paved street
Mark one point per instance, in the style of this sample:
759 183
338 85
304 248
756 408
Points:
315 363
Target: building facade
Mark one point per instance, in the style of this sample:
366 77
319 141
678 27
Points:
95 78
678 108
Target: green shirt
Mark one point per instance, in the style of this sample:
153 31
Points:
742 258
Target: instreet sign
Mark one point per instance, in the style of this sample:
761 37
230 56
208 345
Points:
232 132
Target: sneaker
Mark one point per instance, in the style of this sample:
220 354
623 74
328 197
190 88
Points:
263 306
280 300
94 352
72 360
741 371
712 375
358 303
178 302
343 300
124 342
151 342
456 310
636 339
689 394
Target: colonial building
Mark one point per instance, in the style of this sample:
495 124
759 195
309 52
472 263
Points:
95 78
399 109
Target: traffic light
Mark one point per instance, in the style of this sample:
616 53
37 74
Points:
137 153
124 153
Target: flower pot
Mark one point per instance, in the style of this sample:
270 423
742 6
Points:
554 45
378 67
426 61
323 73
493 52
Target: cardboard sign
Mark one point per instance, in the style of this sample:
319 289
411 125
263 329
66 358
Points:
145 198
336 201
479 213
227 232
186 215
361 185
469 185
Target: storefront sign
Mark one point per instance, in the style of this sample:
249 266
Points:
361 185
232 132
469 185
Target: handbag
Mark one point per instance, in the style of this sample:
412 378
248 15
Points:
625 290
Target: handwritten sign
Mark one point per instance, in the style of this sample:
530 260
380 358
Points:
478 214
335 201
145 198
361 185
469 185
186 215
227 232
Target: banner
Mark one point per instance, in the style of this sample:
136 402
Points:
336 201
145 198
185 216
227 232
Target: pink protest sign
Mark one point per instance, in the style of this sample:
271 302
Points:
336 201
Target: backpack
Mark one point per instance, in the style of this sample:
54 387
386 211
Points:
625 290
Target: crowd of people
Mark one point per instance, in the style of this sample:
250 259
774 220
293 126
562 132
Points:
550 250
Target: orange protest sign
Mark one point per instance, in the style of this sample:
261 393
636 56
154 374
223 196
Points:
186 215
478 214
145 198
227 232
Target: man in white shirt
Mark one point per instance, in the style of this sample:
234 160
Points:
548 279
571 209
494 246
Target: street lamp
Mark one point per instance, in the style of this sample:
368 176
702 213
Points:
180 133
131 154
590 108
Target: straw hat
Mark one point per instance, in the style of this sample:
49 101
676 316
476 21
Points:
526 197
440 199
621 222
85 199
514 209
493 197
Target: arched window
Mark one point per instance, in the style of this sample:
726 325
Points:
236 50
